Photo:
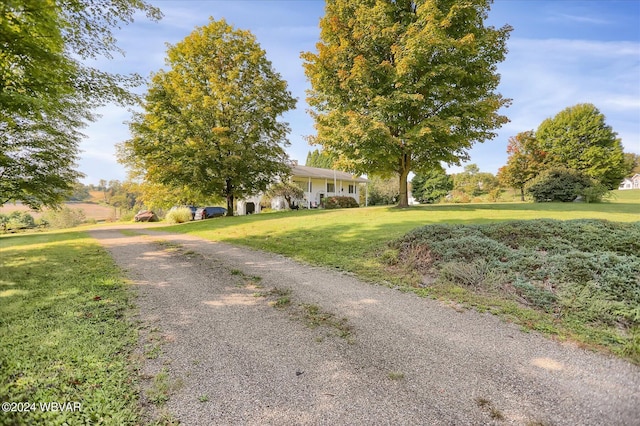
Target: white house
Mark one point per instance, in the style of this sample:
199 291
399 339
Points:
631 183
316 183
319 183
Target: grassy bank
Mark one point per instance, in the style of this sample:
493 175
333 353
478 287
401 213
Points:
64 332
578 278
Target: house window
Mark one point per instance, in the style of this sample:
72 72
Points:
331 187
352 189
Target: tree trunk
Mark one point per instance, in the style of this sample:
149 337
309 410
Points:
405 168
522 193
229 191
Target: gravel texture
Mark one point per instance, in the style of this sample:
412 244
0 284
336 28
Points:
234 358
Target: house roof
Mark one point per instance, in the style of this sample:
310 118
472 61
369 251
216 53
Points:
632 178
318 173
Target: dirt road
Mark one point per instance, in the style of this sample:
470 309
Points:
253 338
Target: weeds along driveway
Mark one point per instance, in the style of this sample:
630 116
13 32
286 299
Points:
236 336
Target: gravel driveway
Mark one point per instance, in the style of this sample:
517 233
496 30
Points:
253 338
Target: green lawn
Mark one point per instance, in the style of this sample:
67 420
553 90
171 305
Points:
352 239
64 331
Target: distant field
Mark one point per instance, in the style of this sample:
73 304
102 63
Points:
91 210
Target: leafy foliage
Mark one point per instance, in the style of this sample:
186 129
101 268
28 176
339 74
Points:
64 218
431 186
579 138
46 93
319 159
16 220
211 122
80 193
563 185
473 182
179 215
525 162
632 163
338 202
287 190
401 86
383 192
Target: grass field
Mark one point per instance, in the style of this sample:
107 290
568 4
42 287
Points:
353 239
91 210
64 331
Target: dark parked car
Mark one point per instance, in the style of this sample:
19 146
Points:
145 216
193 209
209 212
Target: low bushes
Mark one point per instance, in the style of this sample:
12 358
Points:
63 218
179 215
339 202
565 185
54 219
16 220
584 273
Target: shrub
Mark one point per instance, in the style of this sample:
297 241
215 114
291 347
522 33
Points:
495 194
457 197
127 215
179 215
595 193
586 269
339 202
17 220
64 218
534 295
560 184
477 275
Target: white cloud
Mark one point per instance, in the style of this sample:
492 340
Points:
543 76
546 76
579 18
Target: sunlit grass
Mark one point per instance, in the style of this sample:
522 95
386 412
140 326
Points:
64 332
351 239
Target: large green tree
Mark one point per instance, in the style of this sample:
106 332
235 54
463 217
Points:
473 182
578 138
211 121
321 159
403 85
525 162
632 163
47 92
431 186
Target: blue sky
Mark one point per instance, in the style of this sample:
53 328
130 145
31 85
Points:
561 53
